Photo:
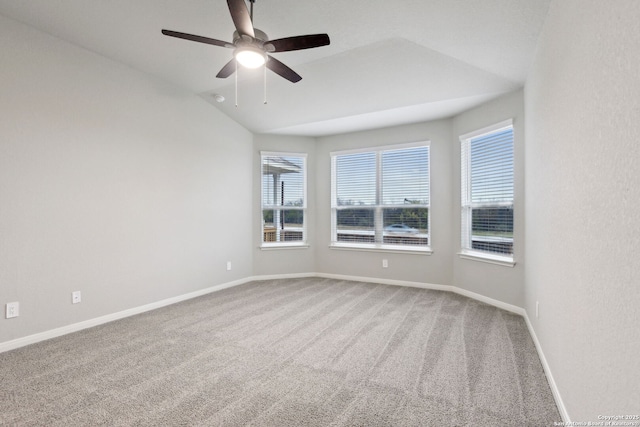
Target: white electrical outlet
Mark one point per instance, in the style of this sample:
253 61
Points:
13 309
537 309
76 297
385 263
228 265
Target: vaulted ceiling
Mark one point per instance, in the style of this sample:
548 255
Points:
390 62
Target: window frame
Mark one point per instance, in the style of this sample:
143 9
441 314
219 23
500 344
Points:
378 206
284 244
466 205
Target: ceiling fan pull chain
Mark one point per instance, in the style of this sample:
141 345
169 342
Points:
265 83
252 46
236 61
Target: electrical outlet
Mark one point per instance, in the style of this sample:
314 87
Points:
76 297
537 309
13 309
385 263
228 265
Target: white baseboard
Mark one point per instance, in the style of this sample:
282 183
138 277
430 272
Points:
422 285
53 333
32 339
547 370
281 276
383 281
494 302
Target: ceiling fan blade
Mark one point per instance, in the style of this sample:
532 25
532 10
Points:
300 42
241 18
282 70
199 39
227 70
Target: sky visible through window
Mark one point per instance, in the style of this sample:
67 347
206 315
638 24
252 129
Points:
492 167
292 181
405 177
487 211
356 179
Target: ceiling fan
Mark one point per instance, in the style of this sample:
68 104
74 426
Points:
252 46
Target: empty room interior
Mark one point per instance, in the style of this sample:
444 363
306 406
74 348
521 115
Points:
405 213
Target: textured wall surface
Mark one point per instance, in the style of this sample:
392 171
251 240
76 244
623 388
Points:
284 261
442 267
117 184
583 187
495 281
112 183
436 268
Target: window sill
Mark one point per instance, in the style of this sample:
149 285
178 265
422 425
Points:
277 246
381 248
488 258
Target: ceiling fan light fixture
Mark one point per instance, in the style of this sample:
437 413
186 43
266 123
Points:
250 57
252 46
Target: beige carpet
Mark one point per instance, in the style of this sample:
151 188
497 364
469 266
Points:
296 352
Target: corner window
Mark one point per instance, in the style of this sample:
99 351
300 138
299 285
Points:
380 198
284 199
487 193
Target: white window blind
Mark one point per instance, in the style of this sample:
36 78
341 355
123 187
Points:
284 202
487 191
380 198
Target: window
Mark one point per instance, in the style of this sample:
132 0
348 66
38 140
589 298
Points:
380 198
284 199
487 192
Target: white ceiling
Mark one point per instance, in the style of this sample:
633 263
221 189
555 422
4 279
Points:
390 62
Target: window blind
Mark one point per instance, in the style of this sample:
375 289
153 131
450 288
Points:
283 198
381 197
487 192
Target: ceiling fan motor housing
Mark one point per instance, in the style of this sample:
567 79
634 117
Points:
252 46
260 40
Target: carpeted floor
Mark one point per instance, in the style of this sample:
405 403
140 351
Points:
295 352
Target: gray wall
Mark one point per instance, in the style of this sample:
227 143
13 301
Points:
495 281
434 269
112 183
583 188
117 184
443 267
132 191
290 260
